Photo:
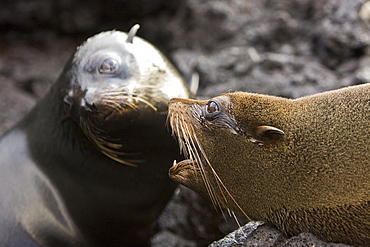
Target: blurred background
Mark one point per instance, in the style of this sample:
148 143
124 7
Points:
288 48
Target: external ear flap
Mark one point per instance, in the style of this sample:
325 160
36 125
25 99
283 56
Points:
264 130
131 34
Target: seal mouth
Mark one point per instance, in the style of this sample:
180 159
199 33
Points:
195 172
187 172
181 170
105 119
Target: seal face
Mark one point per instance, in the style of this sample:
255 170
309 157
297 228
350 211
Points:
118 80
302 165
88 165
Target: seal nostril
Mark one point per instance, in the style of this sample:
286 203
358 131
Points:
90 107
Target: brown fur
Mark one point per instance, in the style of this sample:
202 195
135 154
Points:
312 176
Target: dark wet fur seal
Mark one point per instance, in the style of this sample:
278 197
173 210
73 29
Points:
88 165
302 165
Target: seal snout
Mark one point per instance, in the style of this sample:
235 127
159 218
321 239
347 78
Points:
90 107
187 172
174 170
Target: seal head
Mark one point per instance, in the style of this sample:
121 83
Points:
301 164
119 80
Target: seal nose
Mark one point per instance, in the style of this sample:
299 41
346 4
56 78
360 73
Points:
89 107
173 169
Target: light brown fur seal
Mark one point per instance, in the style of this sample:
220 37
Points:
302 165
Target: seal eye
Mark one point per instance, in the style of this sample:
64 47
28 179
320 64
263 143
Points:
108 66
212 107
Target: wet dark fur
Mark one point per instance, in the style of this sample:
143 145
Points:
88 165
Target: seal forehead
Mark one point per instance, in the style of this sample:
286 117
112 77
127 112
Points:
140 64
256 108
117 41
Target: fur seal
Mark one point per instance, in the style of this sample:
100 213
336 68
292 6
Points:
88 165
302 165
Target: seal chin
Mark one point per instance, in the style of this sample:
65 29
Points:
188 173
183 170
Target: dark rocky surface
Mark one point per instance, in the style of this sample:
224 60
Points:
258 234
287 48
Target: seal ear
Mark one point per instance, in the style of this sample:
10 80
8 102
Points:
265 130
131 34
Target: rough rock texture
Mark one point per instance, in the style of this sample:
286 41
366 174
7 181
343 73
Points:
26 70
290 48
193 219
258 234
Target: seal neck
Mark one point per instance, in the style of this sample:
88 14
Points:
94 187
51 133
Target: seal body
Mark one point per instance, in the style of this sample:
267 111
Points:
88 165
302 165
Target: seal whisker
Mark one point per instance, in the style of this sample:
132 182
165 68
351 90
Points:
147 102
116 107
191 147
133 106
113 157
188 148
107 147
176 129
210 189
163 100
221 184
117 98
